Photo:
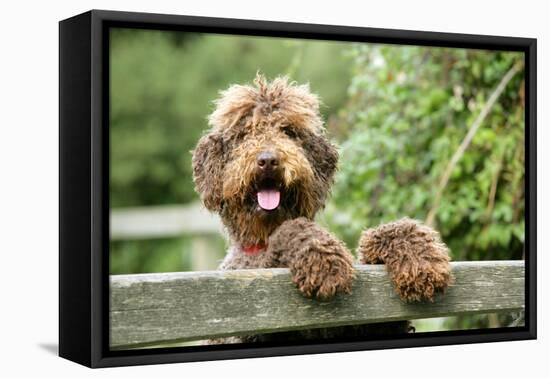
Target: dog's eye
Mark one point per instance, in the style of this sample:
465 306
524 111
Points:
290 133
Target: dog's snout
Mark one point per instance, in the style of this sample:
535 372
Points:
268 160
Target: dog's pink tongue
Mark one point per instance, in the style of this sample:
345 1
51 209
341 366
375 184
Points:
269 199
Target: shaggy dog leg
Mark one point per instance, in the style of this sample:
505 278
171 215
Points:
319 263
416 259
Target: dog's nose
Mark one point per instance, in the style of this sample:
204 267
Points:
267 160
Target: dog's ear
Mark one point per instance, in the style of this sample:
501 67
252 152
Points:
331 158
208 166
323 156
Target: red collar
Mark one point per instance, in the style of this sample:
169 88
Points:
254 249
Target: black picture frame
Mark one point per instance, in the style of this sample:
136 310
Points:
84 192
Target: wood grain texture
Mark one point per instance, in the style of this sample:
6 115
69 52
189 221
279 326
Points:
152 308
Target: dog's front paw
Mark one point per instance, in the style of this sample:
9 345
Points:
415 257
420 279
323 271
320 264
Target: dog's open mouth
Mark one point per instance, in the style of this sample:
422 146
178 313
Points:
269 194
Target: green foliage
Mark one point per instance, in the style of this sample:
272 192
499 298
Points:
161 255
150 256
409 108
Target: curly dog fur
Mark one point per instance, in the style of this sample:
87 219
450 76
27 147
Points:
415 257
266 167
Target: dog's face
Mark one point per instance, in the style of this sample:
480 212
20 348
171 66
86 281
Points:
265 159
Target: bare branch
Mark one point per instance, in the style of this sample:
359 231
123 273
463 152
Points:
468 139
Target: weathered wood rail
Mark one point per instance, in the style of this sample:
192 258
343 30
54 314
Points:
172 307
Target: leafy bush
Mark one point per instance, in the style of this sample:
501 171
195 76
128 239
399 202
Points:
409 109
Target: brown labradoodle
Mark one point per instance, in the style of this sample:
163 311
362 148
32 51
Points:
266 167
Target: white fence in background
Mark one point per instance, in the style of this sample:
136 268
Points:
169 221
164 221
